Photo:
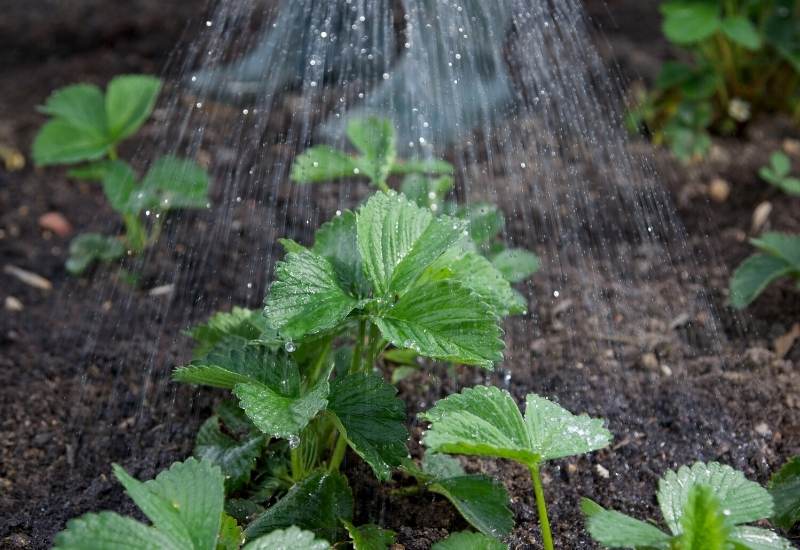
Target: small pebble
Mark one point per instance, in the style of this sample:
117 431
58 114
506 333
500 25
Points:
602 471
719 190
13 304
791 147
28 277
760 216
762 429
649 361
55 222
666 371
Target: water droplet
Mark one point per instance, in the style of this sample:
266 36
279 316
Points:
294 441
555 293
289 346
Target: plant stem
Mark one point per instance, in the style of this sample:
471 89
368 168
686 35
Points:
338 453
358 351
135 234
541 506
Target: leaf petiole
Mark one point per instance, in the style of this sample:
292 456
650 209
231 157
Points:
541 506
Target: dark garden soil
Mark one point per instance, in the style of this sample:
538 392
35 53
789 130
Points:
84 366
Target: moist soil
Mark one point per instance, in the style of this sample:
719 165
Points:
84 366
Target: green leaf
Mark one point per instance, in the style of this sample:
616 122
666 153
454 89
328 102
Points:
129 101
481 500
444 320
322 164
616 530
744 500
369 537
703 525
110 531
754 538
742 31
277 414
184 502
782 245
429 166
469 541
373 419
485 421
82 106
485 221
426 191
780 164
236 459
172 183
782 33
288 539
785 490
398 240
672 74
479 275
88 248
690 21
233 362
516 264
441 466
316 504
375 139
337 242
239 322
230 534
754 275
59 142
306 297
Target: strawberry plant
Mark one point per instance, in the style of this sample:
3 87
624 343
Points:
778 257
426 183
744 59
485 421
784 486
86 126
390 276
777 173
705 506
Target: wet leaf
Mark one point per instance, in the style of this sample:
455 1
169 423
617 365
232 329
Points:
322 164
373 418
485 421
110 530
398 240
785 490
754 538
82 106
743 500
172 183
740 30
374 138
246 324
703 525
516 264
754 275
292 538
230 534
481 500
615 530
369 537
88 248
485 221
781 245
118 179
130 100
316 504
469 541
236 459
307 296
337 242
444 320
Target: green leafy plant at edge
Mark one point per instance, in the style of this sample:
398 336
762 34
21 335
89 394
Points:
705 507
485 421
87 126
778 257
784 486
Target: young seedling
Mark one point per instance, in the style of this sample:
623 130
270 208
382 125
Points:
742 60
785 490
426 183
481 500
778 174
87 126
778 257
391 273
705 507
485 421
466 540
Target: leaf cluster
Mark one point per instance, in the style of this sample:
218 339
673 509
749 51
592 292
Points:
744 60
87 126
705 507
778 173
